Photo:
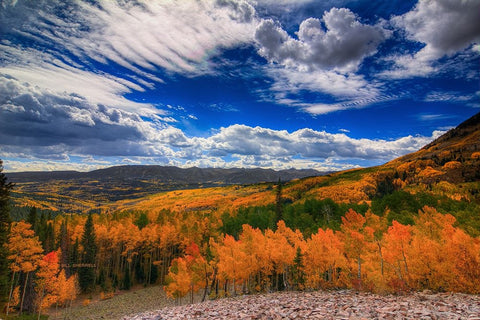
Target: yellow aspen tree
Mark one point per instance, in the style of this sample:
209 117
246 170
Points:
397 241
179 279
25 253
355 235
326 261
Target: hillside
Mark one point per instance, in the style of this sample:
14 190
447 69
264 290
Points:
453 157
448 166
73 191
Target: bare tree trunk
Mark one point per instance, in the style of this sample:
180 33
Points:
359 271
191 293
381 256
23 293
11 292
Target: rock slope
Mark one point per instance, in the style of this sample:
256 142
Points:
326 305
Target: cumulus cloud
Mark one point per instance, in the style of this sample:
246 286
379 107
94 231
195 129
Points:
306 143
342 45
324 57
445 27
47 124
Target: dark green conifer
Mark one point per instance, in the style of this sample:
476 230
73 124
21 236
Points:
5 221
86 273
298 272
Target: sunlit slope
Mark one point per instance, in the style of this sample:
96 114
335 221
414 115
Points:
449 166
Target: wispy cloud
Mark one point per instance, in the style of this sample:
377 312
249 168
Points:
447 96
433 116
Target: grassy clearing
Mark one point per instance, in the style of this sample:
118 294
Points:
122 304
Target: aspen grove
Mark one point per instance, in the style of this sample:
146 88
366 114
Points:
187 252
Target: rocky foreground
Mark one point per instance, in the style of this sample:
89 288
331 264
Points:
327 305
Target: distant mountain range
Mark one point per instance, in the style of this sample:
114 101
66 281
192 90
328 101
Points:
167 174
73 191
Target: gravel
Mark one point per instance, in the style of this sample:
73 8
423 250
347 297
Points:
344 304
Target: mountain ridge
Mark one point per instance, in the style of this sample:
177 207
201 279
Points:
164 174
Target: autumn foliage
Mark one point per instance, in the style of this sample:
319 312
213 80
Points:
186 252
367 254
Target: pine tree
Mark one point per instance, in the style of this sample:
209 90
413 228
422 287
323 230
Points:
64 244
86 272
279 202
5 221
298 270
32 218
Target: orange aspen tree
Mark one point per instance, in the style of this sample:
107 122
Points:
47 282
397 241
464 252
453 256
25 253
324 256
282 246
356 239
257 254
375 228
232 261
430 267
188 273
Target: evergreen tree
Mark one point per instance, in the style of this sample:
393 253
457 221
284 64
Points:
32 217
5 221
64 244
142 221
298 270
86 273
279 201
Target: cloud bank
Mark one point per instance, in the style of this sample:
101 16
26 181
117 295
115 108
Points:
35 124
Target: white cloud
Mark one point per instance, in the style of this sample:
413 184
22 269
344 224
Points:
444 26
240 140
179 35
61 78
446 96
322 59
342 46
47 124
37 124
19 166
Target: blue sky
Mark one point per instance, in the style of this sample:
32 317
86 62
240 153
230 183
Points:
328 85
